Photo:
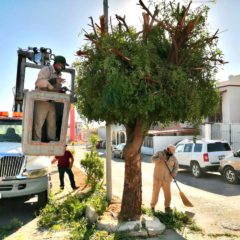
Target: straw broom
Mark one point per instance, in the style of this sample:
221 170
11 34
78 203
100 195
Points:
185 201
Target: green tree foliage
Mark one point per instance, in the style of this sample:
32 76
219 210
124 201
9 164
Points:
151 85
165 72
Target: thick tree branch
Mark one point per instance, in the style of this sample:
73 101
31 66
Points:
145 8
165 25
82 53
120 54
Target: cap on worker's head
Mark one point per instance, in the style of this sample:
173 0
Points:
171 148
60 59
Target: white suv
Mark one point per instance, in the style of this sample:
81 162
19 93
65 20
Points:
201 155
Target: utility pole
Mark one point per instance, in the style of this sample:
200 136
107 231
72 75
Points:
108 126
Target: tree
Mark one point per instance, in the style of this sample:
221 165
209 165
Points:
163 73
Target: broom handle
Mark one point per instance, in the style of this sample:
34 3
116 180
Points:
174 179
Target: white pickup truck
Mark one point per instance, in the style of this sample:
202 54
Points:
20 175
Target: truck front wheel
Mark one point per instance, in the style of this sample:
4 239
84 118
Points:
42 199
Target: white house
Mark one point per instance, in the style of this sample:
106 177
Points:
227 122
230 98
118 133
155 139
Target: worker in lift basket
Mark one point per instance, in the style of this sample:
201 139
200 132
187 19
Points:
49 79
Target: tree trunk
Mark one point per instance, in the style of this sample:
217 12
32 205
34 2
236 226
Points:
132 192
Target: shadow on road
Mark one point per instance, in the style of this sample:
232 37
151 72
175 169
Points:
15 212
210 182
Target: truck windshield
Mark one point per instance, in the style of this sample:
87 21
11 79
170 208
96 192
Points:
10 130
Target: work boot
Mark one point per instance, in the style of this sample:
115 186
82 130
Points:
75 188
168 210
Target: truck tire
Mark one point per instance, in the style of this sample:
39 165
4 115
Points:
196 170
42 199
230 176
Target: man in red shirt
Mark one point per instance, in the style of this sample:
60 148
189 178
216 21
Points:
65 164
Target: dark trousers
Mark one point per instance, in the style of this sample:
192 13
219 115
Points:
61 171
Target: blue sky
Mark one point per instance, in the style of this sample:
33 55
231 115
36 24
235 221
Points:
58 24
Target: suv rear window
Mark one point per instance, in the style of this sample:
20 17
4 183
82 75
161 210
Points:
218 147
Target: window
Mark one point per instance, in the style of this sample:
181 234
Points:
148 142
218 147
10 130
198 147
180 148
188 147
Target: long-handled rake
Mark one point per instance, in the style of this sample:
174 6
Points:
185 201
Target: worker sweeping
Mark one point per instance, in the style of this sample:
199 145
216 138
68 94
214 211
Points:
166 167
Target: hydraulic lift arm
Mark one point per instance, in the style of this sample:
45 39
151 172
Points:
37 58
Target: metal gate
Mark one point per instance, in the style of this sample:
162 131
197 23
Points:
227 131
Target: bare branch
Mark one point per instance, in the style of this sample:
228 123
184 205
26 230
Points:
122 19
102 25
156 11
93 27
90 37
114 50
219 60
145 8
185 10
111 24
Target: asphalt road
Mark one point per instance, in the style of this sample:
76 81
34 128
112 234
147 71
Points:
216 203
211 183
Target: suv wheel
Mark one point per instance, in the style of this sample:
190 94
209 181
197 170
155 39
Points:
196 170
230 175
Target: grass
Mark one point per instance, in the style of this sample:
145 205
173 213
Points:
70 215
176 220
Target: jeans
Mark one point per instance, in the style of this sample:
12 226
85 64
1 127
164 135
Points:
62 171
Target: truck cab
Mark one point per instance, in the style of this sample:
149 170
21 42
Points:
21 175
